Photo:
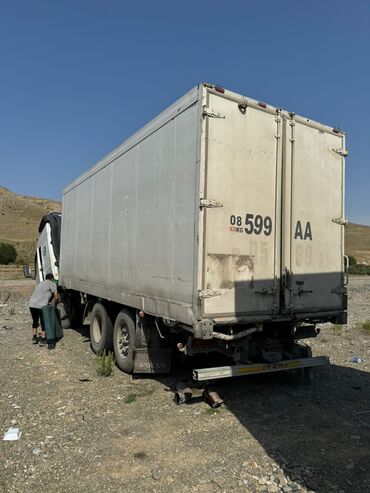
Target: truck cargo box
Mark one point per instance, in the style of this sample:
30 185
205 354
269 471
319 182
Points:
221 210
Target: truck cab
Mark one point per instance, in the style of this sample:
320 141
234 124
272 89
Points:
48 247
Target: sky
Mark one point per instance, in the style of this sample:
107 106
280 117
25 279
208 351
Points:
79 77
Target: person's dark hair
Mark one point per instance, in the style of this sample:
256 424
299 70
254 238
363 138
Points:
49 276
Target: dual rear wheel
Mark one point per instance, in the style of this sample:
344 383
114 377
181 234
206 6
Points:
119 337
124 341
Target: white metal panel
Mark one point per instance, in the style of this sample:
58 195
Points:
313 241
168 114
123 221
155 208
243 163
69 235
83 215
101 217
128 226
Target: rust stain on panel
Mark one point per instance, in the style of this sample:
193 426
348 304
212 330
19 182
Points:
223 270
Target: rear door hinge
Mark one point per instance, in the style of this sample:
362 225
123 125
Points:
211 113
342 221
209 293
341 152
210 203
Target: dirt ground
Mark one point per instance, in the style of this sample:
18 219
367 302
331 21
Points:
84 433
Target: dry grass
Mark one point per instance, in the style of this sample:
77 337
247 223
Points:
337 329
357 242
363 326
20 217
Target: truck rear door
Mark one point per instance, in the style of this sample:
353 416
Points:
241 211
312 218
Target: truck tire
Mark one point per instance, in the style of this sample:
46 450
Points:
101 329
124 341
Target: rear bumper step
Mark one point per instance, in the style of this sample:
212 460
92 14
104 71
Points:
240 370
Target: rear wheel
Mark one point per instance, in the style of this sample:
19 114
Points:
101 329
124 341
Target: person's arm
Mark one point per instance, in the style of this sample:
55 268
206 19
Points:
54 295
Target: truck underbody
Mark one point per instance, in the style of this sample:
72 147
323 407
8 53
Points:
143 343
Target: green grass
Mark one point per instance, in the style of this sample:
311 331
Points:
130 398
363 326
211 412
337 329
105 363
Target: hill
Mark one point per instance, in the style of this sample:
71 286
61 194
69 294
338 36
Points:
20 216
357 238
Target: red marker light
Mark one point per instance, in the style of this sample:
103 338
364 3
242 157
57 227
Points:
219 89
263 105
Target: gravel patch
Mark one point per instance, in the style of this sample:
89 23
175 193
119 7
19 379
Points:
273 434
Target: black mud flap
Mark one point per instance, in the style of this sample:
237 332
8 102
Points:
156 360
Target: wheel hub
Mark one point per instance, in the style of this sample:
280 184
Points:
123 341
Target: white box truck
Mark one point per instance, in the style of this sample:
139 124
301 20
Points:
219 226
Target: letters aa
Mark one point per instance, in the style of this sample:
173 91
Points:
298 235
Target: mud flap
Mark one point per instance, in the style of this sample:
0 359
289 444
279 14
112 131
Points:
152 360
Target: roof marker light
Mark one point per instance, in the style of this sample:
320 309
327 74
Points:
263 105
336 130
219 89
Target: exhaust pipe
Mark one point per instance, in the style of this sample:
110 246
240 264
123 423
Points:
183 393
212 398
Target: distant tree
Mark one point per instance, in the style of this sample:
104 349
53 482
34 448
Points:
8 253
352 260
